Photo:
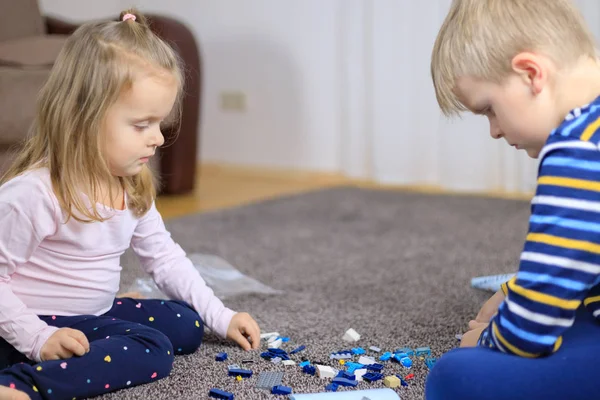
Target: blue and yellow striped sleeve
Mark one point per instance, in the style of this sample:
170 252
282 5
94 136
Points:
560 261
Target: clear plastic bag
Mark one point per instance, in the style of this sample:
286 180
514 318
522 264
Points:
491 282
223 278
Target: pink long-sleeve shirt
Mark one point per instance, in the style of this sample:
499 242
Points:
49 267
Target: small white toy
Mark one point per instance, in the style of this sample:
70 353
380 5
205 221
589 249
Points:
351 336
325 372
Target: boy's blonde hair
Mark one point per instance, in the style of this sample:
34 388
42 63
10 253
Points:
479 39
97 64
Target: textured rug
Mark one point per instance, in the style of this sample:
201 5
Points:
394 266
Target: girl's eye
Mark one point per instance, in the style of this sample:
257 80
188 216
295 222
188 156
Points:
140 127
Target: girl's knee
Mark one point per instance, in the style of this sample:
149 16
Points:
449 376
158 346
189 333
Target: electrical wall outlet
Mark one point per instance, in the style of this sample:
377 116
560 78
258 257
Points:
234 101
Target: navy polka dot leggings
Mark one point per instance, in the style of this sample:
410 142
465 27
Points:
132 344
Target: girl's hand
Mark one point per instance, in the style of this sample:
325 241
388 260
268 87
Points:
470 338
241 327
65 343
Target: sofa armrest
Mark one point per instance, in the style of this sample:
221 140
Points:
179 158
56 26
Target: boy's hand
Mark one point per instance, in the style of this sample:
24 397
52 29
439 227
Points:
65 343
470 338
241 326
490 307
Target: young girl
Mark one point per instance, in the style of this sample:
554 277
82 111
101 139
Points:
77 197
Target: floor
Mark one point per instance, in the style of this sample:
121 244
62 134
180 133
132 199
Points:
224 186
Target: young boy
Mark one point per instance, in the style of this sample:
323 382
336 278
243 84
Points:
530 67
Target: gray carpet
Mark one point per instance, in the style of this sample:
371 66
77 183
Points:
394 266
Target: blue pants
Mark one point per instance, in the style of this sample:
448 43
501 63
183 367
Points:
480 373
132 344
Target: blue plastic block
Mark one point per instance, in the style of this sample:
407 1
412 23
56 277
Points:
332 387
346 375
309 369
397 358
401 355
358 351
406 362
244 373
385 356
430 362
352 366
277 351
220 394
372 376
345 382
284 339
402 381
298 349
410 352
304 364
375 367
281 389
344 354
221 357
423 351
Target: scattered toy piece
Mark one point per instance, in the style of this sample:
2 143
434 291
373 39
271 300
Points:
342 362
221 357
345 382
360 373
375 349
358 351
247 361
332 387
279 389
304 364
366 360
244 373
391 381
267 380
372 376
288 362
409 352
351 336
309 369
375 367
406 362
386 356
423 351
298 349
220 394
233 366
409 377
325 372
239 378
276 344
430 362
268 335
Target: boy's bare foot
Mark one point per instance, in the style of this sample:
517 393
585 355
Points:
131 295
7 393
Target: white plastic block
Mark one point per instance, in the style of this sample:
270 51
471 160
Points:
276 344
325 372
288 362
375 349
359 374
272 339
268 335
366 360
351 336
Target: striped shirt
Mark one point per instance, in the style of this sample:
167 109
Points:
560 264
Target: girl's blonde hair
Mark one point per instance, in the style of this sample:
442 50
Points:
98 62
479 39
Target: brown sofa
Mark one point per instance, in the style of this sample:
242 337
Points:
29 44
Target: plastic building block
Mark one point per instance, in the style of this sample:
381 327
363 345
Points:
233 366
342 362
406 362
268 335
372 377
298 349
276 360
402 381
366 360
239 378
279 389
385 356
332 387
430 362
304 364
284 339
309 369
244 373
221 357
398 357
360 373
346 375
375 367
358 351
458 336
345 382
288 362
409 352
220 394
325 372
276 344
375 349
351 336
267 380
391 381
409 377
352 366
341 355
423 351
247 361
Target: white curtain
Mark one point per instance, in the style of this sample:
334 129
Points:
392 130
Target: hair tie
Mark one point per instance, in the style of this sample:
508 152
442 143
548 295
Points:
128 16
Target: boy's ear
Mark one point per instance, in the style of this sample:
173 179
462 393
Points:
533 69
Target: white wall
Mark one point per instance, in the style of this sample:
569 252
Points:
336 85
